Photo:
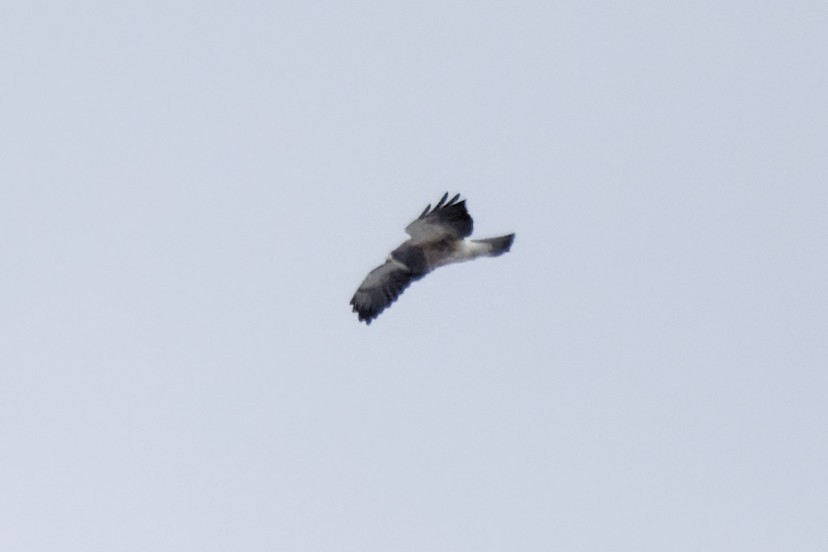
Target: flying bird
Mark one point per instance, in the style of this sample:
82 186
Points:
437 239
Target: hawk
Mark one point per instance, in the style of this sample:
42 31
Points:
437 239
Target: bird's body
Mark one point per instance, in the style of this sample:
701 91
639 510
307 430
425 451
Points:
437 239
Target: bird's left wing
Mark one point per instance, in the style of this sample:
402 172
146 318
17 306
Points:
448 220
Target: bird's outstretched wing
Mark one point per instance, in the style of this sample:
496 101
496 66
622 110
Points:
380 288
448 219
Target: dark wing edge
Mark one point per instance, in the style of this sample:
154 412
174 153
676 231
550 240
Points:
451 214
381 287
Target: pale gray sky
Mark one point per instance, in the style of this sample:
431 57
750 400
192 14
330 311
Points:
190 192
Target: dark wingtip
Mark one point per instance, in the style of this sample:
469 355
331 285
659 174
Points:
441 204
365 316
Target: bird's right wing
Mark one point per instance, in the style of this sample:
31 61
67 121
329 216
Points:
380 288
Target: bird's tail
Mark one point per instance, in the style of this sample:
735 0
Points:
497 246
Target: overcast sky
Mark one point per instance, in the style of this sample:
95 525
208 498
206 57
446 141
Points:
190 193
